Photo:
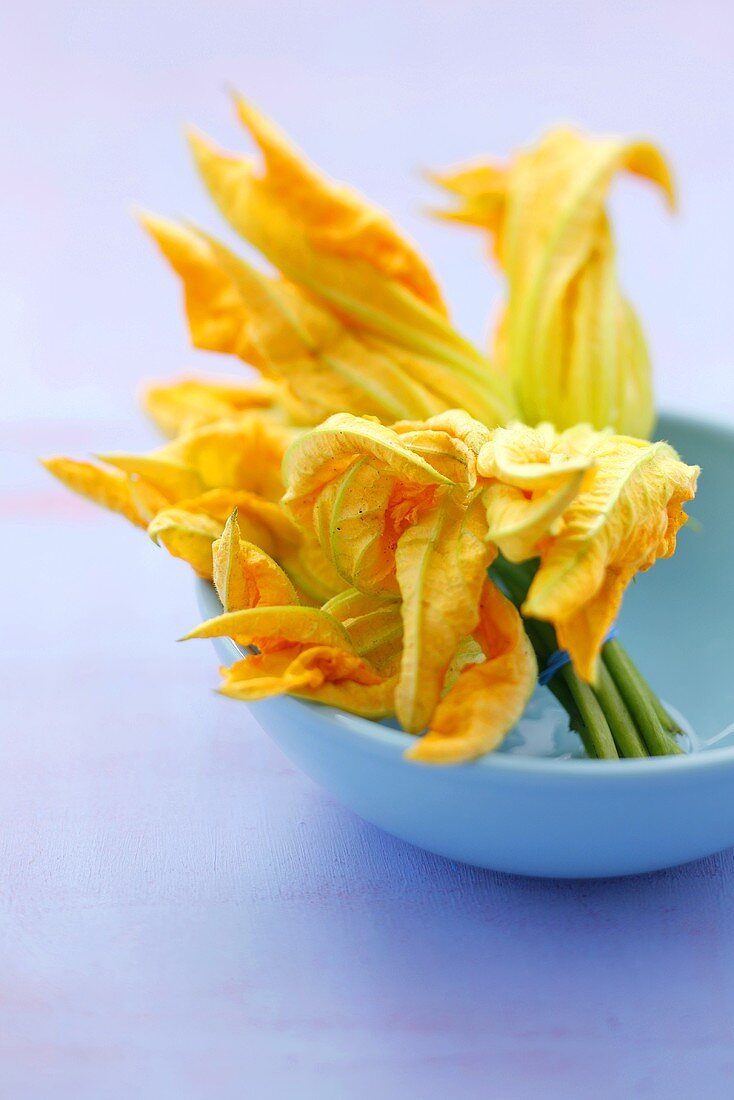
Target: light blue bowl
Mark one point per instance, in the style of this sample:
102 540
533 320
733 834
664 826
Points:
537 806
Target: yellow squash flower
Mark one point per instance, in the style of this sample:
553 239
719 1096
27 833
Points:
353 323
489 695
189 528
374 625
184 404
569 341
184 492
533 475
623 515
441 564
399 514
244 575
108 488
348 506
304 652
323 365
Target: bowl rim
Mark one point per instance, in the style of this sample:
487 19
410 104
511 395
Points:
377 737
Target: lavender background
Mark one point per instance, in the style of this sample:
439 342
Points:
183 914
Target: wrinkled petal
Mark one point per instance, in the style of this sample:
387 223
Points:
327 241
441 565
244 453
337 221
173 480
448 456
518 521
352 521
187 403
533 475
454 422
320 674
316 232
325 452
187 535
450 441
217 316
569 341
109 488
534 458
625 518
374 624
487 698
244 575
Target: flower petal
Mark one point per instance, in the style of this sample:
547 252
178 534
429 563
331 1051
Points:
218 318
174 480
300 219
338 221
321 674
569 341
441 565
244 575
271 628
625 518
187 403
374 624
186 535
326 240
354 528
323 453
242 453
109 488
518 522
487 698
534 458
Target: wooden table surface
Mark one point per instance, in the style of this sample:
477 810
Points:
183 914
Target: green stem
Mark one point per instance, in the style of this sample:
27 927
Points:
626 737
591 713
636 695
543 651
576 698
666 720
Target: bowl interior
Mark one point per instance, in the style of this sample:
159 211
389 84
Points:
676 620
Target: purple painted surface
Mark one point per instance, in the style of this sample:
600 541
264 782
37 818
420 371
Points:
182 913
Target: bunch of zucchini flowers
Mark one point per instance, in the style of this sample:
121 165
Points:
397 523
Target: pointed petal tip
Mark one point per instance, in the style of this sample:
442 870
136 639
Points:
199 144
434 752
251 118
149 221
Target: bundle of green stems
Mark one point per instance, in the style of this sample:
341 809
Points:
618 716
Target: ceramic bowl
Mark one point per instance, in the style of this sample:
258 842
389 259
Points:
538 806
